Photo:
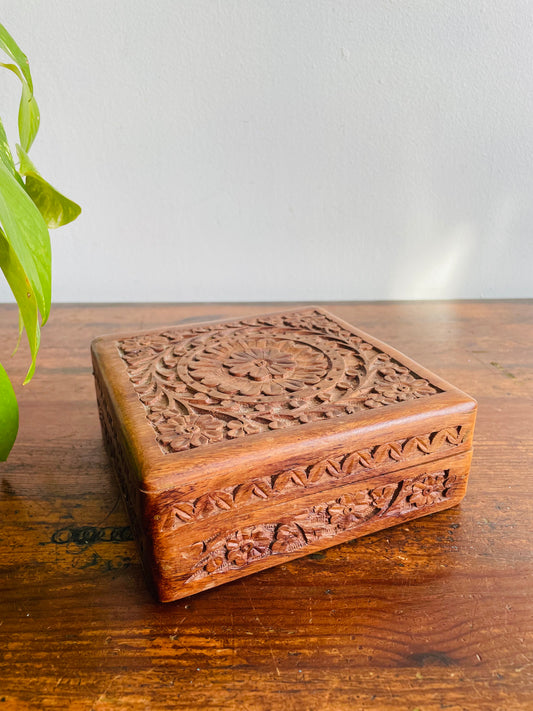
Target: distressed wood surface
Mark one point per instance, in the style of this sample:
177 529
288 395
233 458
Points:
432 614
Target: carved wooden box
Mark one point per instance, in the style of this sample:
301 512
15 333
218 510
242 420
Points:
242 444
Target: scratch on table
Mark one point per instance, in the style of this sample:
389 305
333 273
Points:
104 692
267 637
524 666
113 508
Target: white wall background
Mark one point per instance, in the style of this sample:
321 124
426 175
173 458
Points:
284 150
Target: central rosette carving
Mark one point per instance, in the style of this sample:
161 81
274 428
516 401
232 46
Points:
260 363
258 367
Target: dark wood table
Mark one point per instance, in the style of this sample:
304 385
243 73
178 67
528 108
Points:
434 614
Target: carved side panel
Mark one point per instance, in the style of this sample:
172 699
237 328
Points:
300 480
322 523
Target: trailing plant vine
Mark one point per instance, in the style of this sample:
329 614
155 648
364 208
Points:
29 206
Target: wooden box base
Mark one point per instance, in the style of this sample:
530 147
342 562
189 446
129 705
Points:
243 444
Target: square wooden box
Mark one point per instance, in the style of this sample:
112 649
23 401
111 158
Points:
242 444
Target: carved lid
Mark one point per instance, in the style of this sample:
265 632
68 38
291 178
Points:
215 382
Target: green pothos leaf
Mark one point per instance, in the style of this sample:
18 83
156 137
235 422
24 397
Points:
9 415
11 48
26 209
29 116
26 233
25 298
5 155
5 151
56 209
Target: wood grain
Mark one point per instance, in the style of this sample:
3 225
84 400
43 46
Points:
432 614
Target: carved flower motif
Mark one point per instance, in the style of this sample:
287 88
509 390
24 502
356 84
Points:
215 560
259 366
350 508
288 538
404 387
213 555
397 386
244 547
260 363
184 431
427 491
382 496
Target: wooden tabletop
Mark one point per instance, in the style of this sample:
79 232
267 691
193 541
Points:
434 614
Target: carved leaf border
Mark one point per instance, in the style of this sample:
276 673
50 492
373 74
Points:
301 478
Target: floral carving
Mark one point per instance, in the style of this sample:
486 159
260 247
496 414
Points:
397 386
325 471
255 367
321 522
243 548
289 537
426 491
259 374
350 508
180 432
382 495
260 363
